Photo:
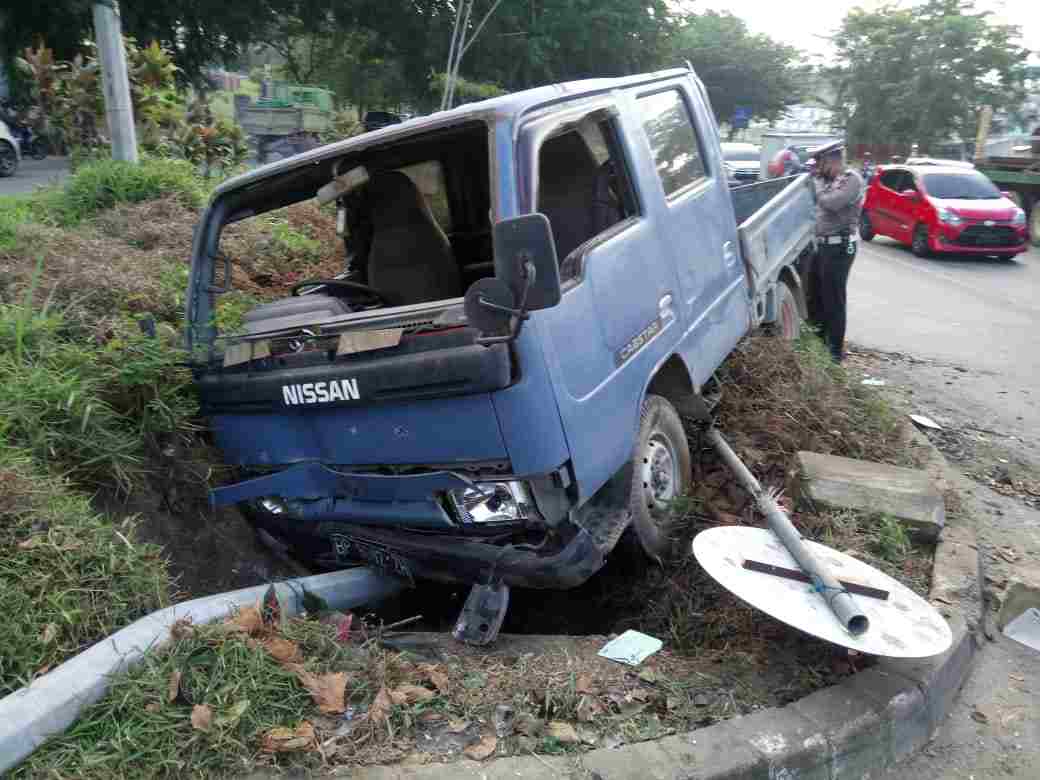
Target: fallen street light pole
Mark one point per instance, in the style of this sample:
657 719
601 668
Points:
108 31
834 593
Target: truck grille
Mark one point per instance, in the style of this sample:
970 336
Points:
983 235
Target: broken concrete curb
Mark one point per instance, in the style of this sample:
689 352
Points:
855 729
50 704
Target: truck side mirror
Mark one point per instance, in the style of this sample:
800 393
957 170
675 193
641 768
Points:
525 259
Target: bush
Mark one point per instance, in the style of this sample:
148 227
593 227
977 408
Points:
103 184
14 211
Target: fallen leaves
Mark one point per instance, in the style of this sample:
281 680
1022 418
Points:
584 684
436 675
282 650
410 694
328 690
286 740
562 732
381 707
588 708
248 620
483 749
173 687
201 717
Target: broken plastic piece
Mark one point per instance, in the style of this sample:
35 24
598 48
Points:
631 648
873 382
1025 629
925 422
483 614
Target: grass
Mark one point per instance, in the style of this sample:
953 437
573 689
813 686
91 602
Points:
68 575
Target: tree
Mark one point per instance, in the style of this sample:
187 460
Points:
920 75
739 68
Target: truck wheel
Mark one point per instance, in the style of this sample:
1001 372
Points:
866 227
661 473
788 323
919 246
8 160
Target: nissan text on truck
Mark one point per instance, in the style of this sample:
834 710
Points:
539 286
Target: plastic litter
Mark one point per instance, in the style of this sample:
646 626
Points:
925 422
631 648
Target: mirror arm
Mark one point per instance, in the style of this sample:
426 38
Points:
520 313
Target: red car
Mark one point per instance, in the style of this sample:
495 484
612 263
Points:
939 209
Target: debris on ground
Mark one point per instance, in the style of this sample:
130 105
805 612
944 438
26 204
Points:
632 648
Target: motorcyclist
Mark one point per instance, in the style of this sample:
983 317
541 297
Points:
786 162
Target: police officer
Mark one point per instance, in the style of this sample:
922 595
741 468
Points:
839 198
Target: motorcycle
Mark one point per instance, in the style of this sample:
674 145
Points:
31 144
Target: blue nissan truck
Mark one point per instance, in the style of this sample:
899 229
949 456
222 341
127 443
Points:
536 290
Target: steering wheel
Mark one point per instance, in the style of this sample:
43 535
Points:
343 285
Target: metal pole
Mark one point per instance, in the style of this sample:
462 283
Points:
451 55
108 31
480 27
458 54
833 592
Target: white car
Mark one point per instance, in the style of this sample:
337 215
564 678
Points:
743 162
10 154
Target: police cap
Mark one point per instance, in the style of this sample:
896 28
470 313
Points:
828 149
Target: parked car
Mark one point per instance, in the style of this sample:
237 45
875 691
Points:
10 153
743 162
938 161
943 209
539 284
373 120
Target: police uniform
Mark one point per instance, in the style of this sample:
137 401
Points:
838 205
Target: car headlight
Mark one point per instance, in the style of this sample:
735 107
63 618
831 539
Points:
949 217
1019 217
492 502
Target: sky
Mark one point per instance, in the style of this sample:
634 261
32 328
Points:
803 23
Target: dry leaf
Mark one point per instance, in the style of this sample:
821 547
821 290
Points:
283 740
173 688
410 694
584 684
457 726
31 543
479 751
152 706
588 708
201 717
436 675
248 621
328 690
50 632
182 628
282 650
979 716
562 732
381 706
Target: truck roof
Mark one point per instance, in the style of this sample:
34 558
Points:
514 104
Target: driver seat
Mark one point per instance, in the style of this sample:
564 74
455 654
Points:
410 259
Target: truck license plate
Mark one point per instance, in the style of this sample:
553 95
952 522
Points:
351 550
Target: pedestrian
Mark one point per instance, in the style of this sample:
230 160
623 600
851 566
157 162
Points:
868 167
839 199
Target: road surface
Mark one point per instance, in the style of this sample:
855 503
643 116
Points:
958 339
35 173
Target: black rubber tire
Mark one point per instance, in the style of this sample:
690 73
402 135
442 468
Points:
8 160
919 242
866 227
653 518
788 325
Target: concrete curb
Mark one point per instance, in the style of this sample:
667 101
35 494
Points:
851 730
52 703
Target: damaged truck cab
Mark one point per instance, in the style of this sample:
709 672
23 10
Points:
535 290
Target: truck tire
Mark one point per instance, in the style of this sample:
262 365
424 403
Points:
788 323
8 160
661 473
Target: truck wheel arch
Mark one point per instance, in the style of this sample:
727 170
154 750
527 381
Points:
794 284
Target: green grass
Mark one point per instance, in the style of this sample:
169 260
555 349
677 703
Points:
14 211
68 576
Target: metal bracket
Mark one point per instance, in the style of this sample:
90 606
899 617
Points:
482 615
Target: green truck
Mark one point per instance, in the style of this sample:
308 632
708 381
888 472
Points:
1019 176
287 117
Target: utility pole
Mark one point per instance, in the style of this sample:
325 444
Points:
108 30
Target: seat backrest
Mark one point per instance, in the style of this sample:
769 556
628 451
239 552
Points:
568 178
410 259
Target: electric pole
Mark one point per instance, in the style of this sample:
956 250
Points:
108 31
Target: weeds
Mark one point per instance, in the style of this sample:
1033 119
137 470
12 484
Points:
893 541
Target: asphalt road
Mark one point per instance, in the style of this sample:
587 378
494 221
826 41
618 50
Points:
976 322
967 331
35 173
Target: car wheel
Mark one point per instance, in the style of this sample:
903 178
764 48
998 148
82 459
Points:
866 227
920 241
788 323
660 474
8 159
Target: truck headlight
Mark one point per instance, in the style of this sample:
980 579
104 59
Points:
1019 217
949 217
492 502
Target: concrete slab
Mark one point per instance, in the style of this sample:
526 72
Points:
909 495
